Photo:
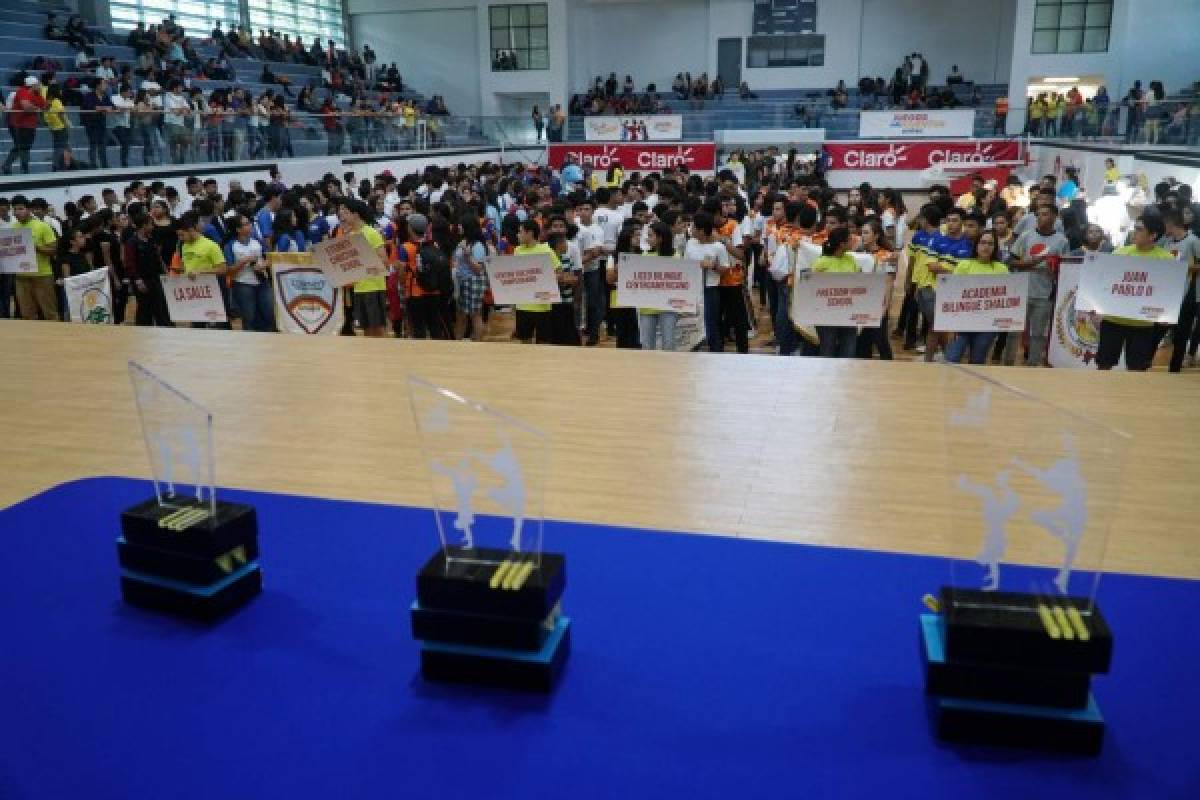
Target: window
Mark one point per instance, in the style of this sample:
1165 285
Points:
1071 26
520 37
806 50
772 17
303 18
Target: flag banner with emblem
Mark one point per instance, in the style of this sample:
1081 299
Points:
306 301
89 297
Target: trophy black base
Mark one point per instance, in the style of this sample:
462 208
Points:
208 537
1079 731
184 567
535 671
205 604
482 630
465 582
1026 631
970 681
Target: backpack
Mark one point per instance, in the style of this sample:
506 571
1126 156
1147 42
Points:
433 270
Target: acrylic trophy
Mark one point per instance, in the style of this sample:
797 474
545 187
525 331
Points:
1016 635
488 608
183 551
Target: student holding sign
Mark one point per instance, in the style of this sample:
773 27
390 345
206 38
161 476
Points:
36 293
624 318
199 254
534 320
652 322
836 341
1134 337
370 305
983 261
878 244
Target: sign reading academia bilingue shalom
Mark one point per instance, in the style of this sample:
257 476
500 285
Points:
634 128
347 259
659 284
981 303
522 280
1145 289
841 299
195 298
16 251
927 124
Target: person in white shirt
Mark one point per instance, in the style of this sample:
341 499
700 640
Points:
591 254
609 216
122 103
715 259
251 289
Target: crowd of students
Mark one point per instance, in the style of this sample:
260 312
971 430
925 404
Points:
745 226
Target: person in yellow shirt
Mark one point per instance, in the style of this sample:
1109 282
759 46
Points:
534 320
36 292
837 341
984 260
1111 174
56 120
1037 114
200 255
370 294
1135 337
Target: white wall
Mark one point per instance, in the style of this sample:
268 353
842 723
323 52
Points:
976 36
423 43
652 42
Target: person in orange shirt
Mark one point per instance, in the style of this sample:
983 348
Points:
426 320
730 312
1000 116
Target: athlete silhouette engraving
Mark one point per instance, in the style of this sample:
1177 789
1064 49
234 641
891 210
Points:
464 481
999 506
1068 521
510 496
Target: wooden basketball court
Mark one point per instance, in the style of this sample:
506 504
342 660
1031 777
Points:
721 444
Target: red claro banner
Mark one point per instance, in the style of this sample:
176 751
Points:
920 155
636 155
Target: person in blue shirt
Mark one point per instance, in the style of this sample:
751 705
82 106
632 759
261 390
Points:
288 238
1069 187
314 225
264 220
948 249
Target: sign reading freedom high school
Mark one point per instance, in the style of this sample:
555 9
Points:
916 156
696 156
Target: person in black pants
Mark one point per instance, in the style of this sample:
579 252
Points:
625 319
145 266
93 109
876 243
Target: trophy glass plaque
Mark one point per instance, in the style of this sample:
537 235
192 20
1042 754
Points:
183 551
488 607
1017 633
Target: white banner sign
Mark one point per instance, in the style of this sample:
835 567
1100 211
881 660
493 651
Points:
522 280
634 128
659 284
194 299
89 298
16 251
841 299
1146 289
981 303
305 301
901 124
1075 335
347 259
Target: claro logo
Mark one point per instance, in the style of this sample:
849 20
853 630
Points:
981 154
658 158
882 159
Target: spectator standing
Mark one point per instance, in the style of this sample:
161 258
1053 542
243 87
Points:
539 124
122 104
58 123
24 110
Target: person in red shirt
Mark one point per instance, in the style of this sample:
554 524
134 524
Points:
27 106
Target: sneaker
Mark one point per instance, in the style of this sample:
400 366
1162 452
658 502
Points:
921 349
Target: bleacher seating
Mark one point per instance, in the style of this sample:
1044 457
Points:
21 40
775 109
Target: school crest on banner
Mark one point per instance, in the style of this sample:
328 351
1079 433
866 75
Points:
89 299
306 301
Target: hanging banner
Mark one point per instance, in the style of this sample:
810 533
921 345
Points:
696 156
634 128
522 280
1145 289
89 297
659 284
899 124
841 299
916 156
16 251
347 259
306 302
1074 334
981 303
194 299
